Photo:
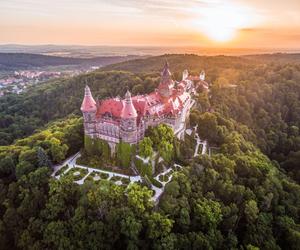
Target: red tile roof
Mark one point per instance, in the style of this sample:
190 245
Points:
88 103
128 110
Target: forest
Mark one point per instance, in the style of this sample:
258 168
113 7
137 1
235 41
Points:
16 61
246 195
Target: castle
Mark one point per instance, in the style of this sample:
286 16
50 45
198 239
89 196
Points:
116 119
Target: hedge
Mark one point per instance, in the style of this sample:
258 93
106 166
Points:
155 182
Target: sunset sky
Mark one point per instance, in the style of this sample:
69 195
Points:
207 23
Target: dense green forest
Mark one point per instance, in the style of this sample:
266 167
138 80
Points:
245 196
21 114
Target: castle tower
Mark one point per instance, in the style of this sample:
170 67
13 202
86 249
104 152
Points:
166 85
129 115
89 109
202 75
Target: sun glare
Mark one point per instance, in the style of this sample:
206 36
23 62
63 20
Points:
222 24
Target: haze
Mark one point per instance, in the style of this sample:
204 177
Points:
216 23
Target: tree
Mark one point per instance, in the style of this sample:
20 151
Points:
251 210
166 150
162 137
159 226
139 198
43 159
145 147
7 166
208 214
58 150
207 127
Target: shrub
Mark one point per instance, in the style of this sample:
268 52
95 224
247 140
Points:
155 182
166 178
161 177
104 176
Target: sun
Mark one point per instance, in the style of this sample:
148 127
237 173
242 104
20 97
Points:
221 34
222 24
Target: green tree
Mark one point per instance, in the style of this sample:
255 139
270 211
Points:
159 226
145 147
58 150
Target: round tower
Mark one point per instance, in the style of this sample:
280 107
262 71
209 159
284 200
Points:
166 85
128 120
89 109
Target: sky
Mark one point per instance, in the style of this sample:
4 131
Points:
203 23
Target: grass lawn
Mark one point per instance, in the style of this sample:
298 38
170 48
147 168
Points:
62 170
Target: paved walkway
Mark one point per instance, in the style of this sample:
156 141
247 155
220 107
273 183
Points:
71 161
199 142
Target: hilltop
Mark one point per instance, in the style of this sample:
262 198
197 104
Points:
12 61
244 195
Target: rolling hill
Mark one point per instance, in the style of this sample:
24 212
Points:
12 61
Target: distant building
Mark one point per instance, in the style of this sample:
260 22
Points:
116 119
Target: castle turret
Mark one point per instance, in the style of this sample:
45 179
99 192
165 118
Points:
166 74
166 85
128 120
89 109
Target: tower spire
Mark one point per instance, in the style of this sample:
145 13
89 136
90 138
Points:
166 72
128 110
166 84
88 103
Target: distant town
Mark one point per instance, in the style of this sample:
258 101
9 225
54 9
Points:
17 82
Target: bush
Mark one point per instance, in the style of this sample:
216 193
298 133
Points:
104 176
155 182
161 177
